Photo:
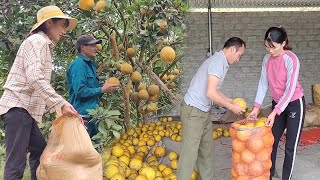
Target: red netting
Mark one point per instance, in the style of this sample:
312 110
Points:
308 136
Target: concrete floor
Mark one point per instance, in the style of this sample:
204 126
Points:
307 164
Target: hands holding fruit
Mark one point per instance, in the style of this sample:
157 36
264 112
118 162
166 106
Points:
239 106
110 85
268 122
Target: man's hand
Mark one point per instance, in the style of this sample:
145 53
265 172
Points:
108 87
235 108
68 110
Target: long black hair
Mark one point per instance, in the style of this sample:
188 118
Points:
278 35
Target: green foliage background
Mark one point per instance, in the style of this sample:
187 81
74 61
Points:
133 28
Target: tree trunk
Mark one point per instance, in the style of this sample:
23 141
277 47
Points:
126 95
114 45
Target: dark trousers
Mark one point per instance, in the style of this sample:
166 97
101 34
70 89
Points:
292 119
91 127
22 135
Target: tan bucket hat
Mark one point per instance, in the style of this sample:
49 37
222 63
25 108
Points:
49 12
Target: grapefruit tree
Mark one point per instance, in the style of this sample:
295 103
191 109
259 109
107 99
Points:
141 45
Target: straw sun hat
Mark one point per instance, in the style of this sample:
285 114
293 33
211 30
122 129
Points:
50 12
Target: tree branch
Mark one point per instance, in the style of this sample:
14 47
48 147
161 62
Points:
114 46
126 94
105 30
122 18
153 55
173 99
176 43
170 66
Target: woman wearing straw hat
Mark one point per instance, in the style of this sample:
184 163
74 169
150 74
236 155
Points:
28 93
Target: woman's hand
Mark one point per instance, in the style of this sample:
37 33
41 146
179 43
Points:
254 113
271 118
68 110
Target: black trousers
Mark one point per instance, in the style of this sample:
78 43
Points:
22 135
292 119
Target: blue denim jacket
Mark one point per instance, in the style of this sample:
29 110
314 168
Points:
83 84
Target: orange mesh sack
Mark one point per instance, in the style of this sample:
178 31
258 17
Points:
252 143
69 153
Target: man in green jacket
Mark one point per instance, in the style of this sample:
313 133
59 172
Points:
83 83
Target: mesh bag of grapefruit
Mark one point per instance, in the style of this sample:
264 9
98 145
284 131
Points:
252 143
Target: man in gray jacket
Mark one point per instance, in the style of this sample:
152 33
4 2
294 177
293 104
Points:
197 143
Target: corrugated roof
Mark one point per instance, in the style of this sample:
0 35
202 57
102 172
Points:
253 3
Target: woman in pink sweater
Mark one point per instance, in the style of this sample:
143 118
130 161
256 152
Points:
280 73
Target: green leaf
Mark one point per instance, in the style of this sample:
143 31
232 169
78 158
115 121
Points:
102 128
91 112
117 127
96 145
114 113
116 134
41 125
97 136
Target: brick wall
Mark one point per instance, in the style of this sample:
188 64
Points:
242 79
